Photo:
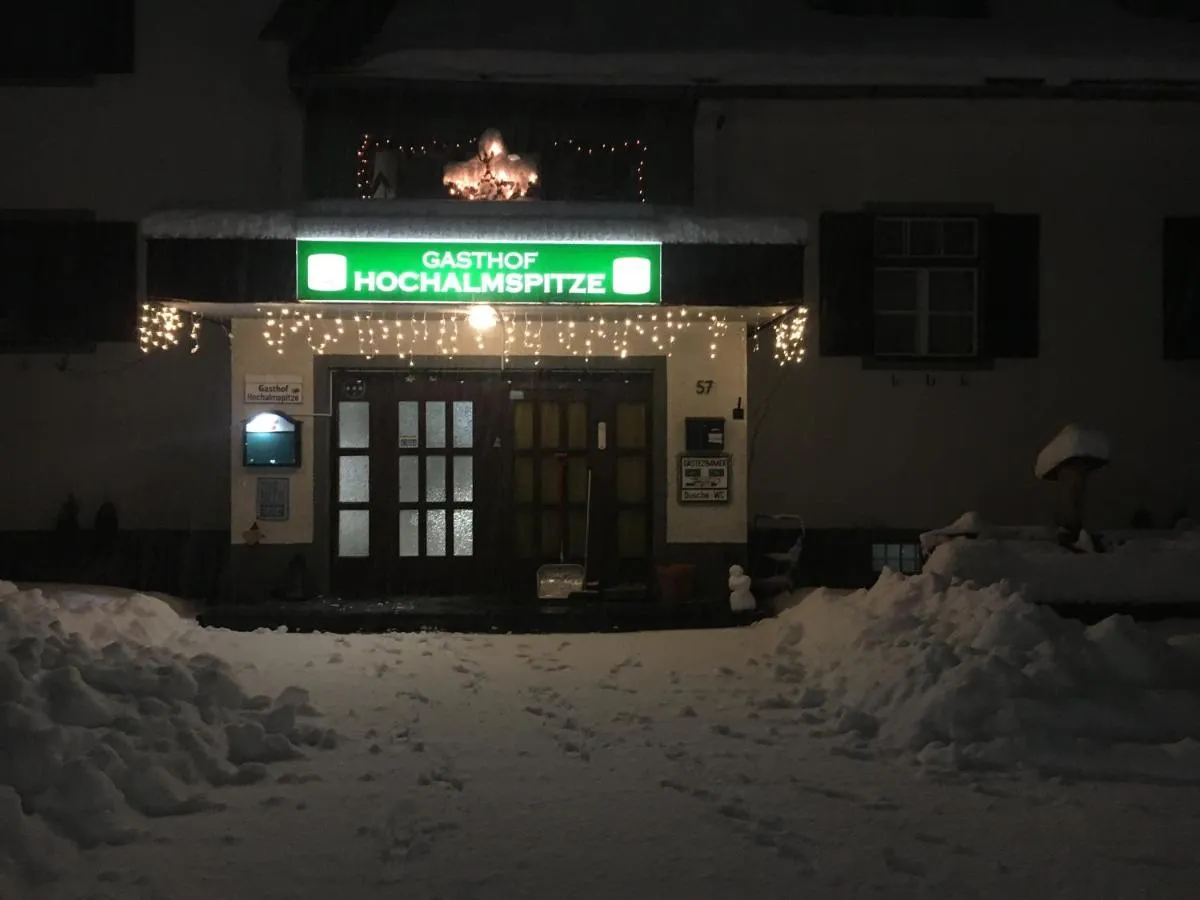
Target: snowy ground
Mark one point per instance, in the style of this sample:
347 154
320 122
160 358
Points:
774 761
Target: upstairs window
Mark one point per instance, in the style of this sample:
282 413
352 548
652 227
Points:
926 287
66 285
67 40
929 289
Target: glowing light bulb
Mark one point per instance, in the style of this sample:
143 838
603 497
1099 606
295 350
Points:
482 317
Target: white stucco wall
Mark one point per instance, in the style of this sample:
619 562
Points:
691 361
144 431
847 447
208 118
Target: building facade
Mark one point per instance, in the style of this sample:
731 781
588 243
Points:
986 252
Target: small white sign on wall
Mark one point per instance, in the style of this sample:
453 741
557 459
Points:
703 479
277 390
273 499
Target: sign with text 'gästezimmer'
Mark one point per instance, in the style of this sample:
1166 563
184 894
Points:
464 271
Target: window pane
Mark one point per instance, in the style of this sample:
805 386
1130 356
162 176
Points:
435 424
551 531
551 480
435 479
410 532
878 557
631 534
523 425
896 290
354 475
889 237
577 480
464 479
631 426
409 430
524 543
464 534
951 335
464 423
959 237
354 533
896 334
577 527
549 429
952 290
354 417
435 532
523 479
410 479
577 426
631 479
924 237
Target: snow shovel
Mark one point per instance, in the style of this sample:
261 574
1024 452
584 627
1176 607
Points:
558 581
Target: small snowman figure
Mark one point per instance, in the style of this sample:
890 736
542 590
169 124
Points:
740 598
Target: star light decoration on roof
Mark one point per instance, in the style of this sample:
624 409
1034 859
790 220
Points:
493 174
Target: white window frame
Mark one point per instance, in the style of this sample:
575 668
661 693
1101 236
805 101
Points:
906 223
924 314
906 261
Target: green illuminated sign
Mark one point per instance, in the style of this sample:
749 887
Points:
465 271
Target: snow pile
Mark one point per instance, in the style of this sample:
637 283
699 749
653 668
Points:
1073 442
967 677
101 724
1146 570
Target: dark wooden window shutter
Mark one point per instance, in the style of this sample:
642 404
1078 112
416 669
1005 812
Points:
1011 322
1181 288
115 280
846 261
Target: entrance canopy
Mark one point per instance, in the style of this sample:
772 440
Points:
397 266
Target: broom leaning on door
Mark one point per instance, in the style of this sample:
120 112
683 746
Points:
558 581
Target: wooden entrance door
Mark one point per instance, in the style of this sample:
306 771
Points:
416 483
563 427
465 483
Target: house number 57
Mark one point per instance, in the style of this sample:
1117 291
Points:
704 387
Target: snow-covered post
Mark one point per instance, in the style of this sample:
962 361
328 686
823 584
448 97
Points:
1068 460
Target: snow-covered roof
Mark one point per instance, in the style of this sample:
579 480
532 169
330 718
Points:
765 42
459 220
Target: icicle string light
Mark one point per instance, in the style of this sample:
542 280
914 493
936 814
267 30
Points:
520 332
368 180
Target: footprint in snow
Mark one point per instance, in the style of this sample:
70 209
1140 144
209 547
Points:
441 776
898 863
882 805
297 778
831 793
726 731
334 658
734 811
